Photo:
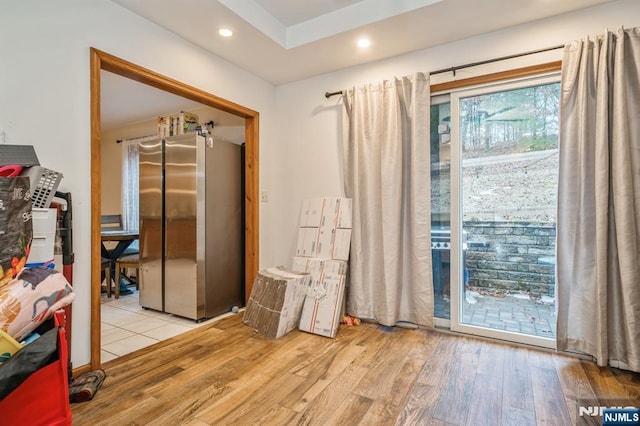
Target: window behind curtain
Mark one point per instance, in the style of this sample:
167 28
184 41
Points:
130 185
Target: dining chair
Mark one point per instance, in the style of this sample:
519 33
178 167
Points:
111 222
106 268
129 261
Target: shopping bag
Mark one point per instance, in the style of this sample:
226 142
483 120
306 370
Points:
16 228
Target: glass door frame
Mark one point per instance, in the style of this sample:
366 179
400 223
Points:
457 274
439 99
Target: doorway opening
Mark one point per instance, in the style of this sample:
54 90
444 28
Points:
101 61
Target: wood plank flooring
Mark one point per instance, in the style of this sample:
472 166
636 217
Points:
225 373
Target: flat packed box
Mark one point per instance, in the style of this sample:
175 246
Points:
324 243
317 266
313 265
307 242
333 212
345 215
341 244
337 213
276 300
326 239
323 308
311 212
325 301
325 228
334 243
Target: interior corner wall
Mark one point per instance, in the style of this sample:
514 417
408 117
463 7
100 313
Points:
310 126
45 93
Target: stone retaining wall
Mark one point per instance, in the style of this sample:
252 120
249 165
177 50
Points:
511 256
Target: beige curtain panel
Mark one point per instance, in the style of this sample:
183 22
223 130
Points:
598 247
386 169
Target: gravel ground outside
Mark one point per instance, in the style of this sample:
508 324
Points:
510 187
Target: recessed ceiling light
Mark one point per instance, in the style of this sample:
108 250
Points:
364 42
225 32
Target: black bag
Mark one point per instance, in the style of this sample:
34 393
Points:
37 354
16 228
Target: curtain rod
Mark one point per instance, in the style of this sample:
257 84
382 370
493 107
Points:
138 138
473 64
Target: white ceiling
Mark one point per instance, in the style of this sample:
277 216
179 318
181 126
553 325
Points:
124 101
288 40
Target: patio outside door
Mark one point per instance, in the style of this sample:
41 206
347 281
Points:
502 143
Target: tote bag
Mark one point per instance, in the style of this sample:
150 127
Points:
16 228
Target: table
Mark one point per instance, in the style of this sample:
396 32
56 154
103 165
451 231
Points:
123 239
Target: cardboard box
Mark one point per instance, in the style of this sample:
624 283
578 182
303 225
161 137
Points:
299 263
318 318
336 213
312 265
276 300
330 212
334 243
311 212
307 242
325 261
316 266
320 220
326 238
338 267
322 310
341 244
345 215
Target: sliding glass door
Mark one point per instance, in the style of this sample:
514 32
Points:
441 207
503 161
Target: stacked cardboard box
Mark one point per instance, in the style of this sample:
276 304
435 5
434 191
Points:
325 228
324 240
275 304
310 295
324 302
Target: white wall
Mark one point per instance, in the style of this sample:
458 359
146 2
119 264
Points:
44 100
310 126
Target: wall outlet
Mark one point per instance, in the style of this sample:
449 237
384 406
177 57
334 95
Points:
264 197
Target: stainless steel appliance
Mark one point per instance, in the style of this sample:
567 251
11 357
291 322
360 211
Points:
191 226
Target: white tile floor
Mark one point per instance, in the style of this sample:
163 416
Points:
127 327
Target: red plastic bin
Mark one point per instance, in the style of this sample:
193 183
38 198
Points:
43 398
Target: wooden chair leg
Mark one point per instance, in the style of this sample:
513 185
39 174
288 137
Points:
117 285
107 280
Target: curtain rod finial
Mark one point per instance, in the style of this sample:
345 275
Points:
330 94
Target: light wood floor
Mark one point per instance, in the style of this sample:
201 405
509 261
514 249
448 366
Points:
225 373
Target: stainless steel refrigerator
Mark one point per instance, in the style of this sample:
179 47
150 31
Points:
191 226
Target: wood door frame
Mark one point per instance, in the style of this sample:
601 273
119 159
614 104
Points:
103 61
